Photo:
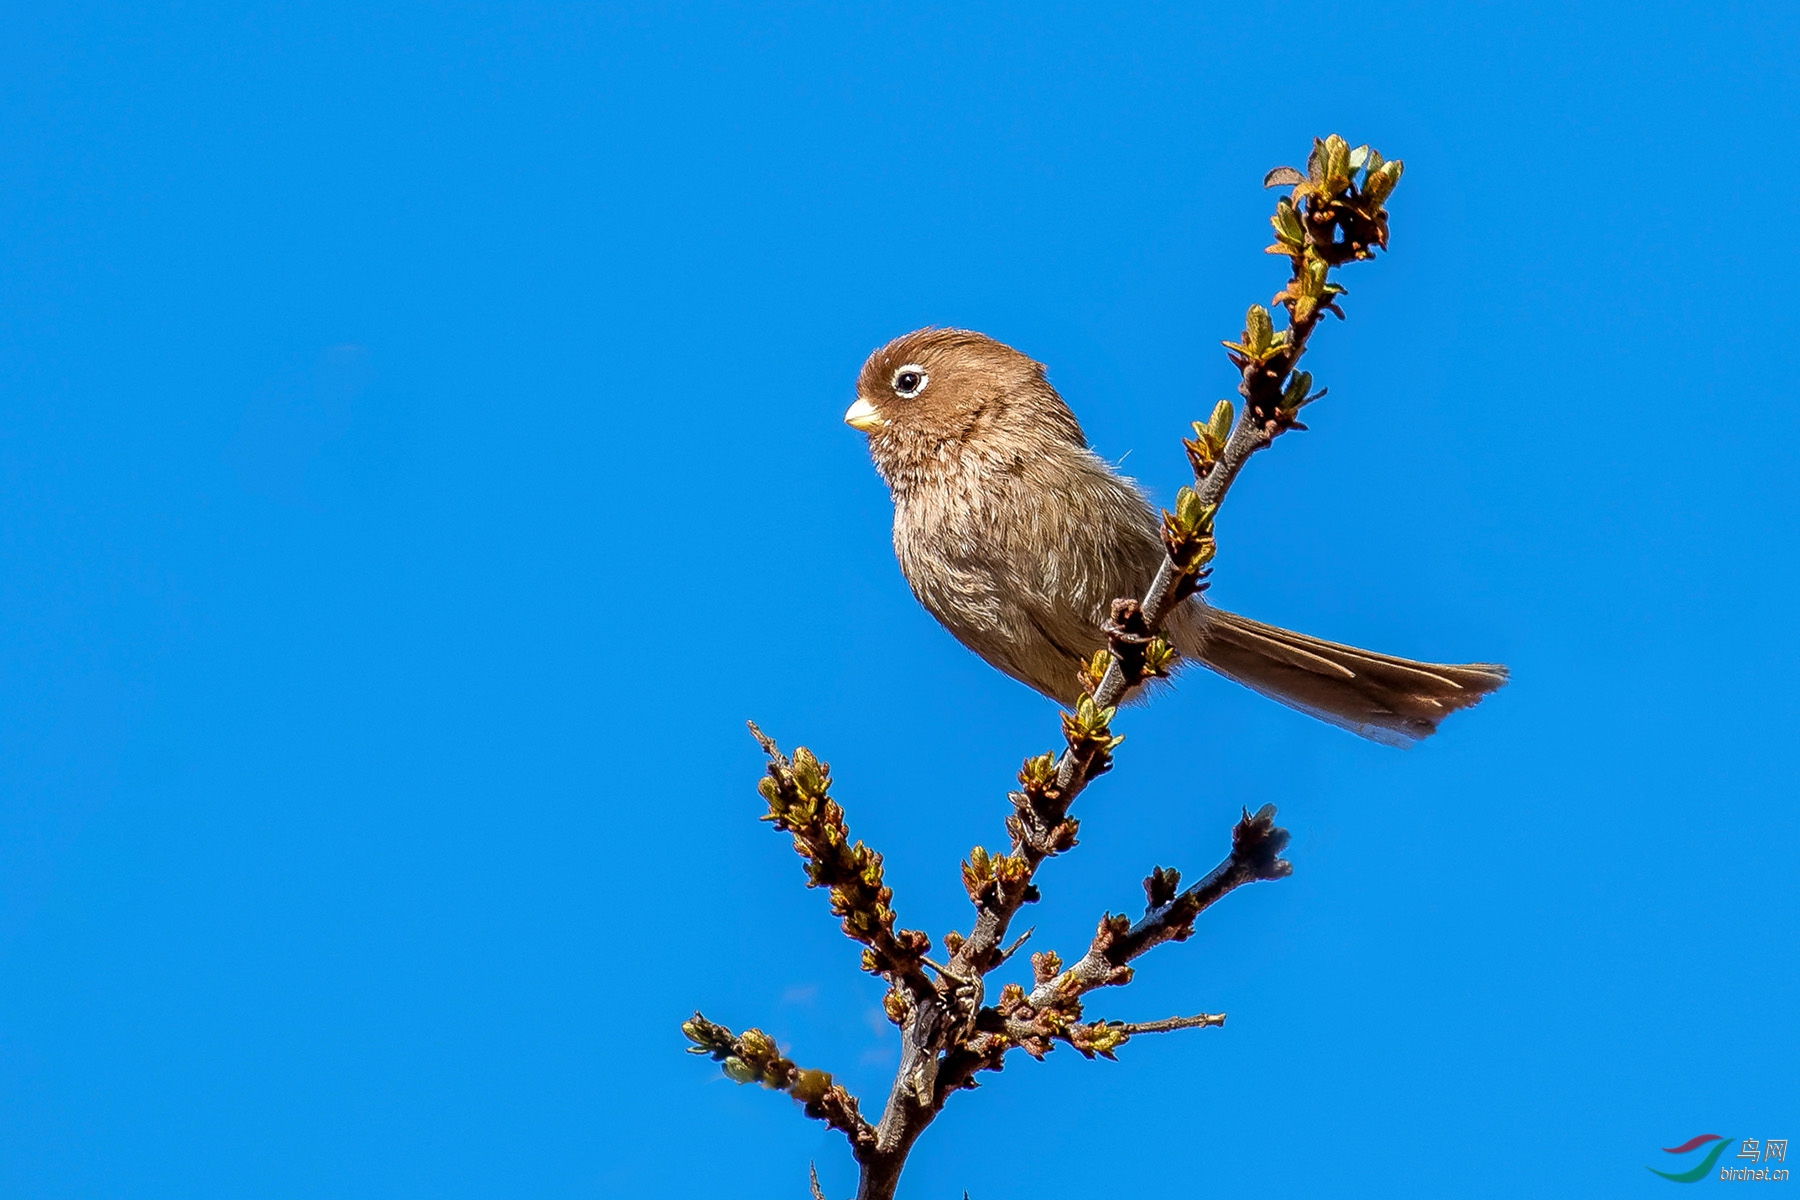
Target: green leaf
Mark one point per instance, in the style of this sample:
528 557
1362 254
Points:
1159 656
1259 331
1295 395
1190 514
1337 162
1287 223
1091 717
1187 507
1382 181
1219 426
808 774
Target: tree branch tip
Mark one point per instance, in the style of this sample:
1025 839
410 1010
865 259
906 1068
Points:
1257 843
767 743
1013 949
812 1170
1168 1024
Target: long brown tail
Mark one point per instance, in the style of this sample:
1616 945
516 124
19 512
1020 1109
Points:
1384 699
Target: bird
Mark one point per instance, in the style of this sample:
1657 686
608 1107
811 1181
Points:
1017 537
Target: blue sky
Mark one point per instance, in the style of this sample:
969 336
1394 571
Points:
420 452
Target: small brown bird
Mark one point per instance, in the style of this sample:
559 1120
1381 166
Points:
1017 538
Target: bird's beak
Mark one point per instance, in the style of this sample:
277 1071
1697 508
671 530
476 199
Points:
862 416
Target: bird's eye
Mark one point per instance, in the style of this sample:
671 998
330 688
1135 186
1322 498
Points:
909 381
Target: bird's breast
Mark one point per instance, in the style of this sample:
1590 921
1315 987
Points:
1047 529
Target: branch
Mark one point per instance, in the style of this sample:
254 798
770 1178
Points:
1339 219
1052 1010
1334 215
1256 846
1167 1025
1337 222
797 793
752 1058
1097 1037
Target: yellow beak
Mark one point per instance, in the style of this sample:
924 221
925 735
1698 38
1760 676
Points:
862 416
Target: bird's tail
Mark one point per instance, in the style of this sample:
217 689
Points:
1384 699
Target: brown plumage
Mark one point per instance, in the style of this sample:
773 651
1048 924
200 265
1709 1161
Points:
1017 538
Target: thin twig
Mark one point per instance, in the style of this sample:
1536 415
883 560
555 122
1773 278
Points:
797 791
1169 1024
752 1057
1014 948
1257 843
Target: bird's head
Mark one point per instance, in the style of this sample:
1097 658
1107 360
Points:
940 392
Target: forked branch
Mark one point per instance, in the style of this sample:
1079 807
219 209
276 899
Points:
1334 214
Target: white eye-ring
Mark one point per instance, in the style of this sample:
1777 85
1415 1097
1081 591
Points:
910 380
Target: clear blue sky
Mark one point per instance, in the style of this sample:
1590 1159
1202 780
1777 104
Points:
420 451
